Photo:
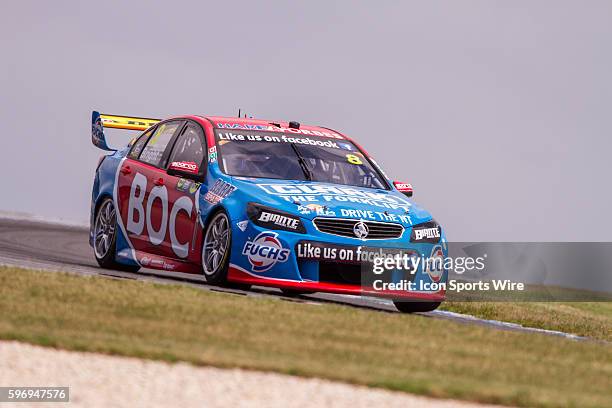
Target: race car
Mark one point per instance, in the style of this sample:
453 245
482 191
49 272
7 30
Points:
246 202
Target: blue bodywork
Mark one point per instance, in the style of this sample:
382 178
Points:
303 199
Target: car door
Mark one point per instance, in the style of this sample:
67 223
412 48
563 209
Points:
188 156
144 207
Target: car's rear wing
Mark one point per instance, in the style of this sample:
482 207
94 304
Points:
99 121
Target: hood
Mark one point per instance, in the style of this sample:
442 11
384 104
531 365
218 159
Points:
309 199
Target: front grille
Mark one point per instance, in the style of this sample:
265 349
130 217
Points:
346 227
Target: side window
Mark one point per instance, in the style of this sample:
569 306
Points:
154 150
139 144
188 147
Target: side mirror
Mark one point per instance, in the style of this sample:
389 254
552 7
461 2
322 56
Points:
188 170
404 188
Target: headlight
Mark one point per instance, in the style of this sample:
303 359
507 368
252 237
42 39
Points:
271 218
428 232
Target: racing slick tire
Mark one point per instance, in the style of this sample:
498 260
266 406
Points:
216 248
105 238
416 307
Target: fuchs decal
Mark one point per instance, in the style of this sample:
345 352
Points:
190 167
220 190
265 251
139 214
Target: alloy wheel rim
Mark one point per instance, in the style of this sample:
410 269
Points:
215 244
104 231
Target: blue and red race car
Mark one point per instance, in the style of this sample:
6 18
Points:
253 202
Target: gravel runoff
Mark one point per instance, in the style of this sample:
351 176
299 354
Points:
97 380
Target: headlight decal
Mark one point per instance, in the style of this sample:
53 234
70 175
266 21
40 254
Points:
427 232
271 218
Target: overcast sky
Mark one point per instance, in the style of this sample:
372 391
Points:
498 112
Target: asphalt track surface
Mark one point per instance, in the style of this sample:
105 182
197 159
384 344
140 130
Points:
35 243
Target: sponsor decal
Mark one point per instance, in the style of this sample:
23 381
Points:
319 251
272 128
270 218
403 188
187 186
434 266
317 209
183 185
427 232
278 220
419 234
345 146
265 251
190 167
334 194
194 187
241 137
220 190
242 225
157 263
212 154
139 214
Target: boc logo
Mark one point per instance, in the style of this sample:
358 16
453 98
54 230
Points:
265 251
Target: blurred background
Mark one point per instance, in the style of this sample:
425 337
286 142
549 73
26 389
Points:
498 112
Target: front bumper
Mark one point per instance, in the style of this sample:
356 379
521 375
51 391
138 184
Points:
325 275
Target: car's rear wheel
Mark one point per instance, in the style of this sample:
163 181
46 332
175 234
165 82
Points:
216 248
105 237
415 307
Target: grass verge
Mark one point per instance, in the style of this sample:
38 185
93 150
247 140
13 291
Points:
399 352
589 319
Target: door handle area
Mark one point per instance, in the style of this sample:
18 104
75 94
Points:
126 170
159 182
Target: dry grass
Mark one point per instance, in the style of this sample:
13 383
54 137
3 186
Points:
400 352
590 319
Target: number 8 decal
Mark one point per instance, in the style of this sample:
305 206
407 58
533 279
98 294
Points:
353 159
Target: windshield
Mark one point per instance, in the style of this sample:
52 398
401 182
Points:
290 157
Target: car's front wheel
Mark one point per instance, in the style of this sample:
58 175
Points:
105 237
216 248
415 307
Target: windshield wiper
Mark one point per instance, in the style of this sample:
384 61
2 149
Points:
302 162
